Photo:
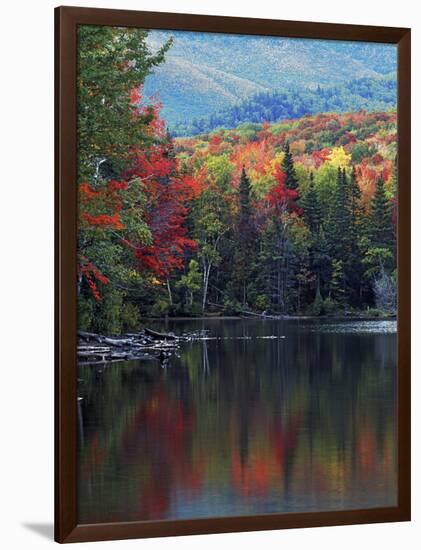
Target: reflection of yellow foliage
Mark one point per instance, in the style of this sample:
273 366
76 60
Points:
339 158
154 405
335 467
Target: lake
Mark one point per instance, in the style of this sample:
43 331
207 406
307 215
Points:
262 417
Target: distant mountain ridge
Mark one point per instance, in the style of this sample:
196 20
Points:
365 93
205 73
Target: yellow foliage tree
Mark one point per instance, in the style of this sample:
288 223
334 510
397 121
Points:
339 158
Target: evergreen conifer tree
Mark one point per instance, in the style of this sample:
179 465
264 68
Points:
244 242
381 234
353 265
288 169
311 207
339 224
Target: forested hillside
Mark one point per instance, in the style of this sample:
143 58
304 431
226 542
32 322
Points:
295 217
205 73
370 94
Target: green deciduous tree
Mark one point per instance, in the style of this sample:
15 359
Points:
112 64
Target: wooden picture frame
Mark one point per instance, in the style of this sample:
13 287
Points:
67 20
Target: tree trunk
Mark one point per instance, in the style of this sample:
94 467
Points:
169 292
206 273
79 283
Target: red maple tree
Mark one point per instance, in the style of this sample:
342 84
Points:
281 199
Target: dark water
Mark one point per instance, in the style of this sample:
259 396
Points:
243 424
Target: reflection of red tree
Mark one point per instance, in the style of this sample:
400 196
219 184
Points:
366 451
260 469
320 479
162 420
154 499
160 433
94 455
284 438
250 477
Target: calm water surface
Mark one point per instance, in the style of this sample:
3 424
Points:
263 417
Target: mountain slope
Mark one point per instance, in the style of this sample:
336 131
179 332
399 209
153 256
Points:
187 91
206 72
365 93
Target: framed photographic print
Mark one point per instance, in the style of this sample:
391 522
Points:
232 274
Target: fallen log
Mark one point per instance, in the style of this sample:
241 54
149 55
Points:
160 335
87 335
147 343
117 341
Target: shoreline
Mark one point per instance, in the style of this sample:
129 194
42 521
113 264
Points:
269 318
162 320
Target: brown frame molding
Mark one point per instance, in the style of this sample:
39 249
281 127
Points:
66 21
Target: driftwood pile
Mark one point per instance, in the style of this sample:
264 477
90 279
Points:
94 348
146 344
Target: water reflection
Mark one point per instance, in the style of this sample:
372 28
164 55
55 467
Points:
242 424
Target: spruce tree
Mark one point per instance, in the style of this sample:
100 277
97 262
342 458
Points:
339 223
313 217
381 231
244 191
311 207
353 265
244 242
379 257
288 169
354 200
320 263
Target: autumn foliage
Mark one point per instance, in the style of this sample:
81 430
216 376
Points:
290 217
165 197
280 198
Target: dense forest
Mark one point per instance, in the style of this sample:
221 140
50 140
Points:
289 218
371 94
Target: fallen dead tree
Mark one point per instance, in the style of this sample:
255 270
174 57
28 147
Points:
146 344
246 314
160 335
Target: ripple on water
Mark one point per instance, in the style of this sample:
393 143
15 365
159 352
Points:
376 327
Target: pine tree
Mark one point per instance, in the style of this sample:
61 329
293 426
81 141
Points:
340 222
337 283
381 231
245 243
288 169
244 196
311 207
379 251
312 215
321 262
354 200
353 266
